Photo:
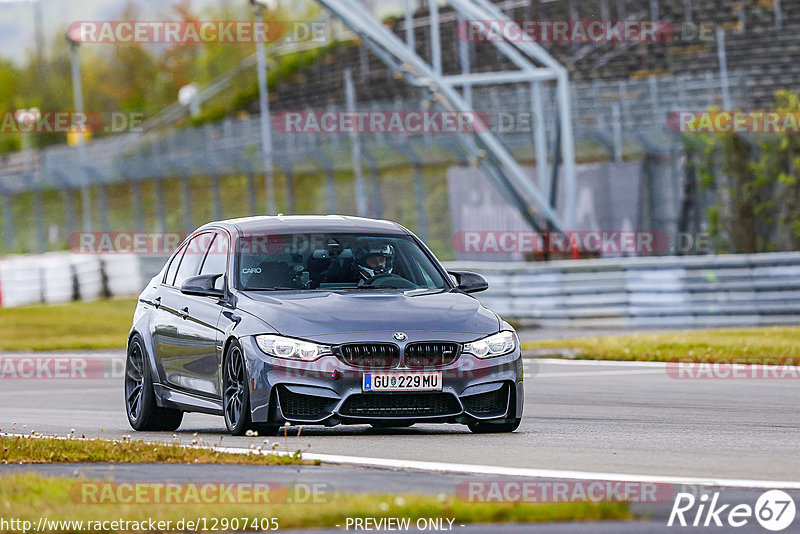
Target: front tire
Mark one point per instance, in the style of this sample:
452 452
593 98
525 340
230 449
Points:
236 393
143 412
489 427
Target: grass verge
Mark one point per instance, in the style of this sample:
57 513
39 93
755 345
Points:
31 497
768 345
103 324
43 450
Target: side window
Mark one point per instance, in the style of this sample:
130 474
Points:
169 279
193 257
216 261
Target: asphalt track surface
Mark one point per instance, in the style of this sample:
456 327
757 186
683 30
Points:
592 417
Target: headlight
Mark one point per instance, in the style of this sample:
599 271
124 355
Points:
291 349
494 345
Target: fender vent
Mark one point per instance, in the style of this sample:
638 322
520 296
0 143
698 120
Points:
488 404
301 406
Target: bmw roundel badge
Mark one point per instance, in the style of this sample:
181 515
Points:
400 336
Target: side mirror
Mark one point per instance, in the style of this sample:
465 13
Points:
202 286
469 282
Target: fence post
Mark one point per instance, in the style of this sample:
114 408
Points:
161 213
355 147
216 197
102 206
8 222
38 214
186 203
539 136
464 58
616 125
436 40
410 24
422 218
723 69
251 196
136 192
654 10
69 210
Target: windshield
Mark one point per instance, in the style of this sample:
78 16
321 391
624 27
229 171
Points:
328 261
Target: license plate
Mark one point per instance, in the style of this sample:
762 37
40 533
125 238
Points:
402 381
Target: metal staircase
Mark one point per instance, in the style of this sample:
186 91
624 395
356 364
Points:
534 65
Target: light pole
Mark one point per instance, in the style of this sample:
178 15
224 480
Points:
263 99
77 95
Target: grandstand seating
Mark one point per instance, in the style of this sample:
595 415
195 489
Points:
754 46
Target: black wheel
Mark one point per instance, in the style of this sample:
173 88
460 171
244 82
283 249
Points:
140 399
236 393
489 427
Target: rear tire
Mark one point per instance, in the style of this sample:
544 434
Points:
488 427
143 411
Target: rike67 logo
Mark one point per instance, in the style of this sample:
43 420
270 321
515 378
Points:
774 510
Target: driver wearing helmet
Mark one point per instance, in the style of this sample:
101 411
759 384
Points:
373 259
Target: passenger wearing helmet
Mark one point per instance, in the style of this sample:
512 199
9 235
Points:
373 259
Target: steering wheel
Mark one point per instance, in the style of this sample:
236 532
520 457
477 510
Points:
389 280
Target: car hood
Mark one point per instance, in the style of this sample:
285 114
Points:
315 315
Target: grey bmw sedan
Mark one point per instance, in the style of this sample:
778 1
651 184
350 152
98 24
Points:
322 320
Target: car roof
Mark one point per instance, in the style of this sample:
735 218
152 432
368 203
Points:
307 223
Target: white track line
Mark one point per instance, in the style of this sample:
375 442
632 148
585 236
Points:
604 363
488 470
536 375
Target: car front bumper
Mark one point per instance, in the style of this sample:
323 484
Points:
329 392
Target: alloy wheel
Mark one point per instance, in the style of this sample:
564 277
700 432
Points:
134 380
234 387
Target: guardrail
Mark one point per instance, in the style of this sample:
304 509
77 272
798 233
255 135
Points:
741 290
756 289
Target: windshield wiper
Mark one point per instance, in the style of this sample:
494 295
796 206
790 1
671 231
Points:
276 288
381 287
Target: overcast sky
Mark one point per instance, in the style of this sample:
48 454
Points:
17 17
17 28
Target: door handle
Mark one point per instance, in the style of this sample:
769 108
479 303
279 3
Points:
157 302
185 312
